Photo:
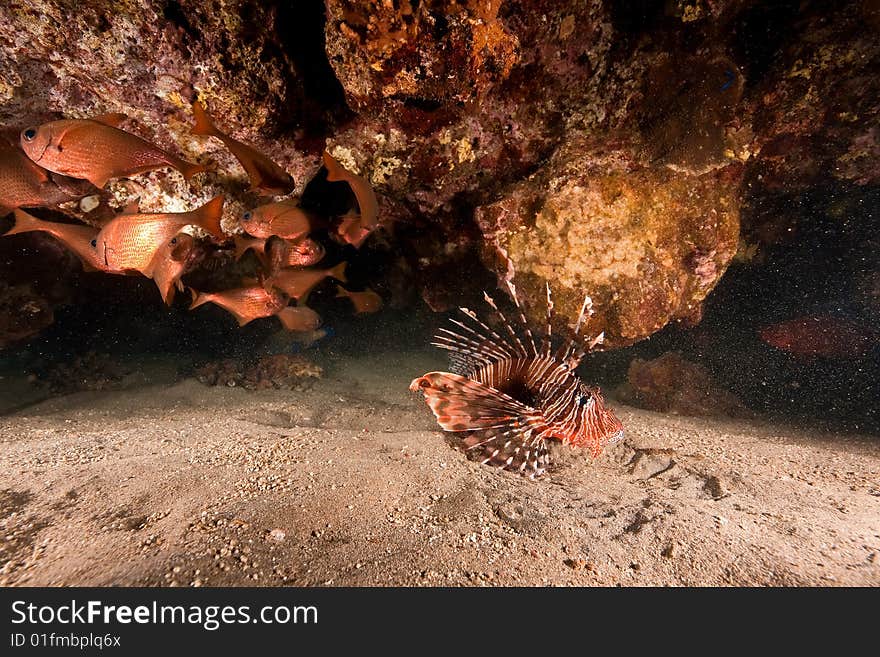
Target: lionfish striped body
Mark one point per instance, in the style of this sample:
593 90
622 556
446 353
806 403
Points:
510 396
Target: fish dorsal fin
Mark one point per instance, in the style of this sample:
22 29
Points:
475 345
113 119
573 351
511 288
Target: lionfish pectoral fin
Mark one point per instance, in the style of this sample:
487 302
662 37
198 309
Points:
461 404
518 449
500 430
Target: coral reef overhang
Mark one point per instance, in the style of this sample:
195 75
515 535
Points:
620 149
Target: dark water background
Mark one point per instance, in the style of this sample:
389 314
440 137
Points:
817 273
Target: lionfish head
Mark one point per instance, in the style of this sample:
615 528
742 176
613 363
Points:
598 424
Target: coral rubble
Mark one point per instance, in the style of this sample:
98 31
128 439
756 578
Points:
290 371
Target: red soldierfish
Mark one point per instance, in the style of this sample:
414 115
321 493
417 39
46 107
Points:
363 192
284 219
130 240
171 262
352 231
297 283
510 396
354 227
245 303
76 237
364 302
23 184
96 150
303 252
299 318
825 336
263 173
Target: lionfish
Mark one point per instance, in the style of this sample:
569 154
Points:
511 396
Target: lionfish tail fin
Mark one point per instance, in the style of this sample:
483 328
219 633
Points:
518 449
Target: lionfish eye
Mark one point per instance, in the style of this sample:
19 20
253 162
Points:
94 243
29 134
583 400
247 216
174 240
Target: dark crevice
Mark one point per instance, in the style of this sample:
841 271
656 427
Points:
300 27
633 17
761 32
424 104
173 12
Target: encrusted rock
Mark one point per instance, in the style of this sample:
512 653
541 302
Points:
647 243
89 371
671 384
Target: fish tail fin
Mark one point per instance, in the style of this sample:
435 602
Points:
210 214
338 272
198 298
335 171
203 125
189 169
501 431
24 223
166 290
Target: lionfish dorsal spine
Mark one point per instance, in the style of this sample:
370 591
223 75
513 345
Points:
573 351
451 341
547 343
517 343
522 318
478 341
496 339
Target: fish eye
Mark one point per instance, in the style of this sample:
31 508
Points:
29 134
94 243
583 400
174 240
246 216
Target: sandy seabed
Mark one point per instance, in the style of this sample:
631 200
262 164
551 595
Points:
351 483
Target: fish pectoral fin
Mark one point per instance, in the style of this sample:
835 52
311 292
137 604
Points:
519 449
99 180
501 431
462 404
113 119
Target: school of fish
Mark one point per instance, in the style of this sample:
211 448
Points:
65 160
